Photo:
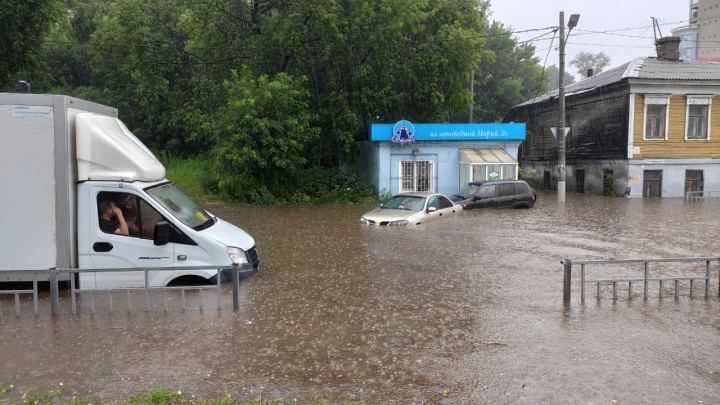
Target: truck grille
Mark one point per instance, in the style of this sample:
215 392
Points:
253 257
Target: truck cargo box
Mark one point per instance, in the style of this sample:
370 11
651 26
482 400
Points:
39 173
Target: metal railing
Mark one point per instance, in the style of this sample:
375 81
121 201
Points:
18 293
702 196
54 275
645 280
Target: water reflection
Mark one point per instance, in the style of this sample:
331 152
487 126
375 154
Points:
464 310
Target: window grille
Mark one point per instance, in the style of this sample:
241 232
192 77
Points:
416 176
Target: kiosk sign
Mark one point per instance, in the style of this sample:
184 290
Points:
405 132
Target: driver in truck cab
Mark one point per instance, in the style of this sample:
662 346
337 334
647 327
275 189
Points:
107 211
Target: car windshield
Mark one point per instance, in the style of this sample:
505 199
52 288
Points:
402 202
181 206
467 191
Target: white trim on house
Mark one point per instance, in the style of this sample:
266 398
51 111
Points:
657 99
698 100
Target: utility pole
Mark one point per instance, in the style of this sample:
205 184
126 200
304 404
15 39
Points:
561 103
561 118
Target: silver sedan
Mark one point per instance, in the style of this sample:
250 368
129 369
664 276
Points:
412 209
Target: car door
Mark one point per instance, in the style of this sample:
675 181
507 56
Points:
485 197
447 208
506 195
432 202
109 249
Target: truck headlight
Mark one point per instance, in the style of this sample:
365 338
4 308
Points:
237 255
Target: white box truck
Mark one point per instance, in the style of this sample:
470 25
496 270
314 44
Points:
79 190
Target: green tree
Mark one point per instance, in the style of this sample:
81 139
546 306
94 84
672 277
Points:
66 47
511 76
377 62
588 60
25 24
142 64
553 73
262 133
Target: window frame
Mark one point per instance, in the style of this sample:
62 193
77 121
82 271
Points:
429 175
699 100
656 100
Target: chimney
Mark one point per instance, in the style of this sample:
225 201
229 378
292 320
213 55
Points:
590 72
668 48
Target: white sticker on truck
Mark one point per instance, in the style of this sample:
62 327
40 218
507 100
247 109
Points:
28 111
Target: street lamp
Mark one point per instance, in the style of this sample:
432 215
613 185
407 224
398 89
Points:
25 83
561 101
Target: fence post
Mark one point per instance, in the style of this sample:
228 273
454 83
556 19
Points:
236 288
54 292
566 280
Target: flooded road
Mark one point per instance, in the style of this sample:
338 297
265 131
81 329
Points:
467 310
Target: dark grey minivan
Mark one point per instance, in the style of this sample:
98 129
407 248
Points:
496 194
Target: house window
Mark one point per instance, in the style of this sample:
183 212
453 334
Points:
656 116
694 181
697 122
416 175
652 183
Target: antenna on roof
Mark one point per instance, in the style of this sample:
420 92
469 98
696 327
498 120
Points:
656 29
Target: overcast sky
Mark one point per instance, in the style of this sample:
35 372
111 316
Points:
622 29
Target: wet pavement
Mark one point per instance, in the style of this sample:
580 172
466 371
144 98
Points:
467 310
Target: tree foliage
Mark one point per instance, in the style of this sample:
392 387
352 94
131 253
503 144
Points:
262 131
24 26
510 76
584 61
553 73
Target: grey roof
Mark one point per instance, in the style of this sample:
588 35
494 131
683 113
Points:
648 68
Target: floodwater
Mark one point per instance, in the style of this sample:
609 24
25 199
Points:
468 310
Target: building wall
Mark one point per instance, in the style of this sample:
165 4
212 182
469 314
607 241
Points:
379 162
676 146
708 23
598 131
594 179
673 175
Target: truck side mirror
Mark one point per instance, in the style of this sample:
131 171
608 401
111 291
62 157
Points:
162 233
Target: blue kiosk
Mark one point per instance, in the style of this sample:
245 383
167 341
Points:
406 157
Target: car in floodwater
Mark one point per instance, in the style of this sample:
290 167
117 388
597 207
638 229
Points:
412 209
496 194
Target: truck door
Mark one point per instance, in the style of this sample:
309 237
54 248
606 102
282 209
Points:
121 236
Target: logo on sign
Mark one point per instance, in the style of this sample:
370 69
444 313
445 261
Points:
403 132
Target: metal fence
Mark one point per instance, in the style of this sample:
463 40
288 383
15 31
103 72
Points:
702 196
55 274
646 280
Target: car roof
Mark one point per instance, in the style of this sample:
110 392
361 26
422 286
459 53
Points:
481 182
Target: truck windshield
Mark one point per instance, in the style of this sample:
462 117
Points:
182 206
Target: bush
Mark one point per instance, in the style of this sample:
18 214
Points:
528 176
199 178
609 186
196 176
